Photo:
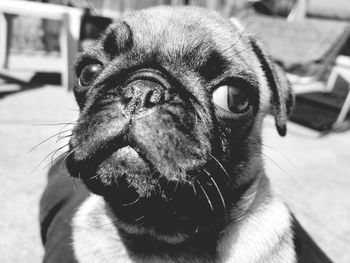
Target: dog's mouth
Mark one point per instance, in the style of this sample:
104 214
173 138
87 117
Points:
140 195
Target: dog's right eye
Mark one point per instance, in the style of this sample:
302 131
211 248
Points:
89 74
232 99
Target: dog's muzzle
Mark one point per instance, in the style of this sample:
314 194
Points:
143 149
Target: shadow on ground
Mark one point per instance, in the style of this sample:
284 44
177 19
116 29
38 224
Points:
38 80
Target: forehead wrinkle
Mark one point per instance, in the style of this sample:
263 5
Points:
239 49
93 54
146 32
214 65
118 39
180 42
238 73
168 30
249 77
242 56
228 40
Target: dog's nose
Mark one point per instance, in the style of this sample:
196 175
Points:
144 94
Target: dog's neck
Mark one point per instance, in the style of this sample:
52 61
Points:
263 234
255 212
201 245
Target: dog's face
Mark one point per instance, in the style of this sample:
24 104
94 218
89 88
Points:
172 102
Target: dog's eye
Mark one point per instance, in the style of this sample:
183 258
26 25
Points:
230 98
89 74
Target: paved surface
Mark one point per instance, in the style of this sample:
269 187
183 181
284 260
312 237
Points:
312 173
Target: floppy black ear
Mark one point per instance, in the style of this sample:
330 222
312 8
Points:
282 98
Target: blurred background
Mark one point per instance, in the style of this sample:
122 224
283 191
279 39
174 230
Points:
310 167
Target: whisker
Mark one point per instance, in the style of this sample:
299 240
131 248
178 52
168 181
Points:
221 166
55 124
235 43
197 229
36 146
74 186
92 177
238 39
218 190
131 203
54 159
277 165
279 152
196 118
65 158
63 137
206 195
138 219
47 156
176 186
66 126
240 51
194 189
116 182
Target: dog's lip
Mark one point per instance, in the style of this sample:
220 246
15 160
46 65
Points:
180 205
166 214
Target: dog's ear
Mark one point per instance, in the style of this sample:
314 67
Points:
282 98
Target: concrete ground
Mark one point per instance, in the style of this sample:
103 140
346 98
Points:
311 172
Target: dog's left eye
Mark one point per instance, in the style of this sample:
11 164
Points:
232 99
89 74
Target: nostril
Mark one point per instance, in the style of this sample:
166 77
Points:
148 101
143 93
129 93
154 97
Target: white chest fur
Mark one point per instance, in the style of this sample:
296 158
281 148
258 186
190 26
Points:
262 235
95 237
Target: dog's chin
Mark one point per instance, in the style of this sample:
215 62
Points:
145 201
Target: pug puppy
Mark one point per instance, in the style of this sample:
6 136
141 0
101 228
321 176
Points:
168 149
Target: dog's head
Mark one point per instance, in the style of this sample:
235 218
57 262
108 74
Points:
171 107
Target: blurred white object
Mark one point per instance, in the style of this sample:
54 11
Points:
298 12
341 69
69 17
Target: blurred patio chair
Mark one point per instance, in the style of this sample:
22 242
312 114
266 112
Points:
327 110
307 48
342 70
291 10
326 9
70 19
287 26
